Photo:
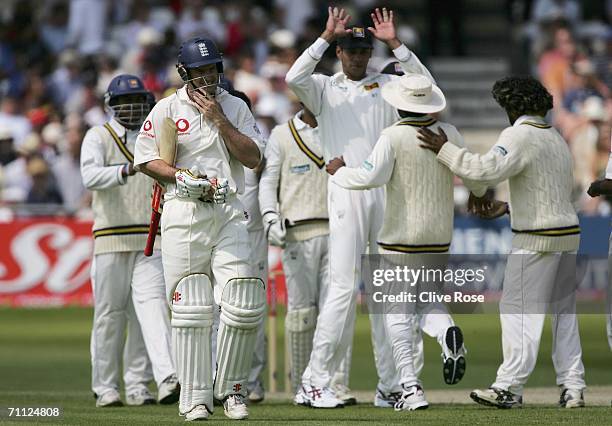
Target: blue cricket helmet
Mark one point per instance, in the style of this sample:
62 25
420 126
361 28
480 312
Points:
129 114
197 52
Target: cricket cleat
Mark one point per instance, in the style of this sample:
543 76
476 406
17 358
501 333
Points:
571 398
109 399
140 397
453 356
499 398
386 400
257 393
197 413
413 398
344 394
312 396
235 407
169 390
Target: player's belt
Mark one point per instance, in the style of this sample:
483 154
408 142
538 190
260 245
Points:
538 125
121 230
120 144
319 161
407 248
551 232
307 221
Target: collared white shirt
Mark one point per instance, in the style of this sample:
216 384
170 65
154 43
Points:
270 178
351 114
96 174
609 167
200 146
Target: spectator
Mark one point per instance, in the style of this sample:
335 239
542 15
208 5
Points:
43 189
54 31
7 150
17 181
67 172
86 25
11 118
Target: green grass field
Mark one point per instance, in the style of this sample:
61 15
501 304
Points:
44 361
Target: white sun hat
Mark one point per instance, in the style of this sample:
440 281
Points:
414 93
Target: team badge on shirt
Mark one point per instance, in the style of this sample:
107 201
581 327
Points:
367 165
304 168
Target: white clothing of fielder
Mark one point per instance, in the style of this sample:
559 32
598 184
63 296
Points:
538 165
121 206
205 248
351 115
609 314
426 227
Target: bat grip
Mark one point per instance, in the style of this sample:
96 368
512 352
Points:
155 216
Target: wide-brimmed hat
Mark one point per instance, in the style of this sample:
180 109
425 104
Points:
414 93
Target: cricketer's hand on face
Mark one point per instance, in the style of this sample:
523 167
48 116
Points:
335 164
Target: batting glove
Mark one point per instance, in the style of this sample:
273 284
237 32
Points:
275 230
189 185
221 191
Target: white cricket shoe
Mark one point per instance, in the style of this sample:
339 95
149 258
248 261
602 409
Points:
413 398
315 397
343 393
140 397
110 398
257 393
499 398
571 398
386 400
453 356
197 413
235 408
169 390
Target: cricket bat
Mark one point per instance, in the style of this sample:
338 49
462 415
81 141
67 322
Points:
167 152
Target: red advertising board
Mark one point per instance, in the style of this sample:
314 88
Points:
46 262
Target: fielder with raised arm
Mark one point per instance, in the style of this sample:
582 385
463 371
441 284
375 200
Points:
542 264
351 115
293 200
121 200
205 244
413 225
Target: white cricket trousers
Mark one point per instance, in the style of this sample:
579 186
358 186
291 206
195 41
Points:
355 217
306 268
259 264
609 295
532 279
117 277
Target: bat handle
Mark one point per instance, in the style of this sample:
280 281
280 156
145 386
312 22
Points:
155 216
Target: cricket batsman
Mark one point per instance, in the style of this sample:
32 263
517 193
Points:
351 115
293 200
205 245
541 271
121 200
413 226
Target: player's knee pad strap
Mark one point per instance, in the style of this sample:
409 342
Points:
243 303
304 319
193 302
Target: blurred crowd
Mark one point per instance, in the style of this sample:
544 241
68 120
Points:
58 56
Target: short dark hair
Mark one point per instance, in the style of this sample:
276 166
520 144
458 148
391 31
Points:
522 95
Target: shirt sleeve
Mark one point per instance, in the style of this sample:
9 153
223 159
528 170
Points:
248 127
375 171
299 78
506 159
94 172
270 178
147 142
475 187
410 63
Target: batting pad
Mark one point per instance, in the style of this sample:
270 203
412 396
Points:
300 328
192 320
243 305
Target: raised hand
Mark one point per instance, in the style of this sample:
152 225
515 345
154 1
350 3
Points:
208 106
384 28
336 24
